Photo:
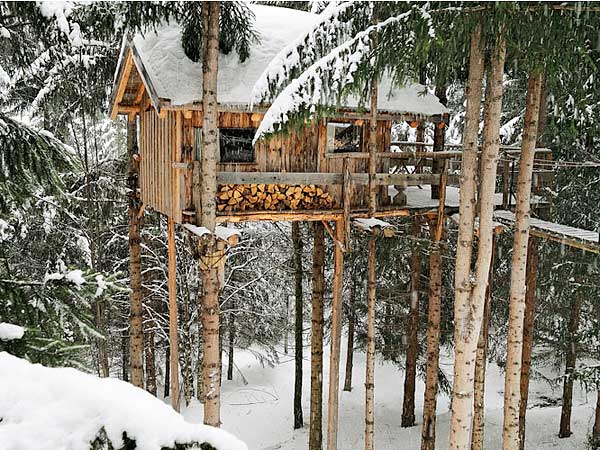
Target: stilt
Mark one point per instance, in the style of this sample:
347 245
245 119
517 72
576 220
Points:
370 370
173 323
481 362
336 329
315 441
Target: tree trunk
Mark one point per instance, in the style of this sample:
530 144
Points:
531 289
316 370
125 354
412 350
370 369
286 326
464 348
596 429
336 336
231 333
167 389
571 360
481 362
350 346
149 336
528 323
210 256
433 344
136 339
439 136
297 240
512 385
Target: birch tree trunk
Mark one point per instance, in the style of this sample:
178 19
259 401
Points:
408 404
433 344
209 254
461 406
531 290
316 370
512 384
136 339
596 429
297 241
481 362
350 346
370 366
571 360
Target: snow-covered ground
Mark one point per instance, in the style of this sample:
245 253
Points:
260 413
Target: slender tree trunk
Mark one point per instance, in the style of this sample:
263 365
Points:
210 257
173 312
464 342
125 354
528 323
336 337
567 401
185 346
297 240
136 337
149 336
433 344
481 362
167 389
316 370
286 326
231 333
370 369
531 290
412 350
596 429
199 380
439 136
512 385
350 346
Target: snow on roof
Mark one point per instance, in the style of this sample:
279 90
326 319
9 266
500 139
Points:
45 408
178 79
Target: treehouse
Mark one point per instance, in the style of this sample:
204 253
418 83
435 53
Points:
317 172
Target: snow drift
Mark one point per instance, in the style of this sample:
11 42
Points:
44 408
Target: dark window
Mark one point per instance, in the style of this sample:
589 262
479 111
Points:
236 145
344 137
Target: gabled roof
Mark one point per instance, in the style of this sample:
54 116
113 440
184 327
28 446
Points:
170 78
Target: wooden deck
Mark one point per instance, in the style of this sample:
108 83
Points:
573 237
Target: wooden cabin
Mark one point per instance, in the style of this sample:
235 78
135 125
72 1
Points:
316 172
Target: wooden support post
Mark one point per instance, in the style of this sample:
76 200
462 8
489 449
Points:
336 330
173 338
370 369
347 200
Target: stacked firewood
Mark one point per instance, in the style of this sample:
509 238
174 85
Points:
272 197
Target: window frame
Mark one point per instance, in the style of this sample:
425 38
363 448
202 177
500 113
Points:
331 151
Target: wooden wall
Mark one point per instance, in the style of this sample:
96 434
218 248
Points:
160 144
171 138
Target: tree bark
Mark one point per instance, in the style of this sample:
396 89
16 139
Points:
336 335
481 362
412 350
210 255
571 360
136 339
370 366
350 346
297 241
439 136
512 385
316 371
125 354
531 290
528 323
149 337
167 389
464 341
231 334
596 429
433 344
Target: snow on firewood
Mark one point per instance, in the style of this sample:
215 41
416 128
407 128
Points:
10 332
45 408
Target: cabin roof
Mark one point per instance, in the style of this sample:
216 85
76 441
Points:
157 59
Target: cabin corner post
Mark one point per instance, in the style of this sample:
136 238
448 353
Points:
136 341
336 336
173 320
